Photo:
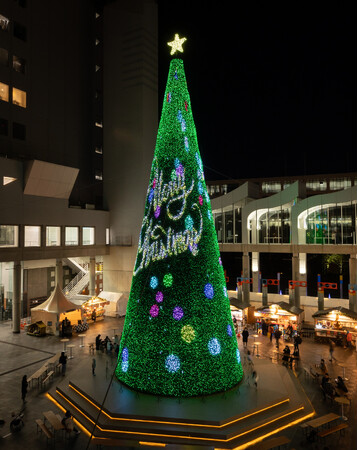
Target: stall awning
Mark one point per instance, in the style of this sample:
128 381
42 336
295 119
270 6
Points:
239 305
292 309
339 309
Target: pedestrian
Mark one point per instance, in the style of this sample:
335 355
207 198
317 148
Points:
24 385
63 361
98 342
254 378
93 366
331 350
297 341
277 336
271 332
349 339
245 336
94 315
67 422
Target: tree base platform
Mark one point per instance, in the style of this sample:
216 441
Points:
237 418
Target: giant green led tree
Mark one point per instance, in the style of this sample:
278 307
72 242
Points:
178 337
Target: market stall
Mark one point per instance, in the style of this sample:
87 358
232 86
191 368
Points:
243 313
37 329
57 313
279 315
93 309
116 305
333 323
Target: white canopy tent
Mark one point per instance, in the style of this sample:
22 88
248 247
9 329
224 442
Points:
117 303
54 310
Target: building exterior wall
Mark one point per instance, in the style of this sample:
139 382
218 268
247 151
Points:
130 126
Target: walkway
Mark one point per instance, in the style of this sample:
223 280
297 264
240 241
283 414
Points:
22 354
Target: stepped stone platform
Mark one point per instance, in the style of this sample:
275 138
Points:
113 414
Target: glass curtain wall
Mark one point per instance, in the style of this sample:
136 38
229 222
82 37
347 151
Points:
333 224
273 226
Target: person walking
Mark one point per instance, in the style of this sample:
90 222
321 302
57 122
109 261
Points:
24 385
277 336
245 336
94 366
63 361
271 332
331 350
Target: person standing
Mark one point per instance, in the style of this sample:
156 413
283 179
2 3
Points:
63 361
24 385
245 336
297 341
94 366
68 424
277 336
349 339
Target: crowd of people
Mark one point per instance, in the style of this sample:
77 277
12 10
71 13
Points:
108 345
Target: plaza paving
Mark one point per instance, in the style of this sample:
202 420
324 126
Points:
22 354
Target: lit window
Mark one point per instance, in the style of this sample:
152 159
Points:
97 67
19 97
4 23
98 175
99 124
107 236
7 180
9 235
97 41
53 236
316 185
18 64
271 187
340 183
97 15
88 236
32 237
71 236
99 150
4 92
4 57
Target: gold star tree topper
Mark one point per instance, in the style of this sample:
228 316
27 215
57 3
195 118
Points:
177 44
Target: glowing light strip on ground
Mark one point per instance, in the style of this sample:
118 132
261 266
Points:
139 433
124 419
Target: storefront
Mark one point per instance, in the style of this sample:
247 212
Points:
279 315
243 313
93 309
333 323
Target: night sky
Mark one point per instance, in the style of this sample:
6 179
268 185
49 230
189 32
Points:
272 84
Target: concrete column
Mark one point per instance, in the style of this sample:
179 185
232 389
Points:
59 273
16 297
353 281
246 274
320 294
295 276
92 276
255 271
264 295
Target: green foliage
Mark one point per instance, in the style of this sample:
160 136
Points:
178 336
333 263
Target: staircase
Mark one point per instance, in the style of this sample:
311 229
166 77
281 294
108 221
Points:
80 281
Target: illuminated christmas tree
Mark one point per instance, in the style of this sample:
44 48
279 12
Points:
178 336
